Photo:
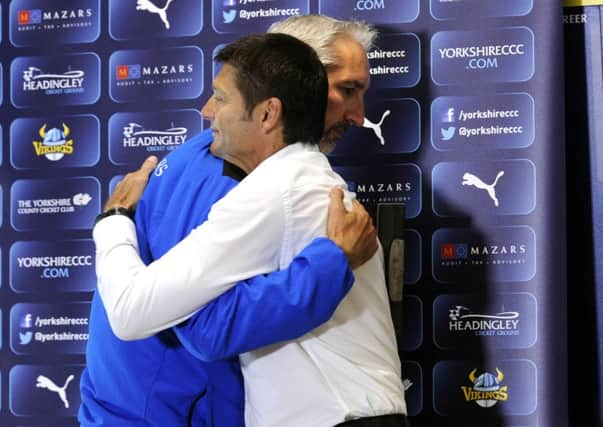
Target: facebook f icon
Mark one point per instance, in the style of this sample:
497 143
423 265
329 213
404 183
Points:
449 115
26 321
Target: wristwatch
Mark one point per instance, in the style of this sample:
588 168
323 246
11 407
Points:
119 210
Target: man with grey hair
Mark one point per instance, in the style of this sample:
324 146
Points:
341 47
345 98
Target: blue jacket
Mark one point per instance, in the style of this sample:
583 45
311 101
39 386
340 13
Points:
196 379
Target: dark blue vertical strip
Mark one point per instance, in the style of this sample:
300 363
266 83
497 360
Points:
584 410
594 79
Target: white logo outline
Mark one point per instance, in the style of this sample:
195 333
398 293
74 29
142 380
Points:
134 129
229 16
376 127
81 199
472 180
25 337
45 382
35 73
151 7
460 312
161 167
448 133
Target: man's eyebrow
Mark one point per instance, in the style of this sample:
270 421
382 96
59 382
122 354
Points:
357 84
216 89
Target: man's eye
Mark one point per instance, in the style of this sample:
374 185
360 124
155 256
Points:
349 90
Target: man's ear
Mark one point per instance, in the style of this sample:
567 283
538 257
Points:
271 114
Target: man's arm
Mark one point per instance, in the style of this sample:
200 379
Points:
142 300
285 305
266 309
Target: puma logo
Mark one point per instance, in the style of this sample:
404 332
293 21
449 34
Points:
376 127
151 7
470 179
47 383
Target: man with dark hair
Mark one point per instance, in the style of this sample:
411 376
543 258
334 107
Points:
262 74
347 369
259 76
156 381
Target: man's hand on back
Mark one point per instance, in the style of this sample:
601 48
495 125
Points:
129 190
353 231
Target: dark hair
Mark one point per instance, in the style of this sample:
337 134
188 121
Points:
281 66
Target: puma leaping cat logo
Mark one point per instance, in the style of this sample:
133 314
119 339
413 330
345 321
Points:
47 383
150 6
376 127
470 179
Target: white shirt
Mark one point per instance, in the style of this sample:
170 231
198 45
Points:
347 368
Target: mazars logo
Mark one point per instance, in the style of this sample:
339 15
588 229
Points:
54 144
479 253
372 193
34 79
36 16
502 253
400 183
167 70
43 22
382 187
165 73
125 72
28 17
138 71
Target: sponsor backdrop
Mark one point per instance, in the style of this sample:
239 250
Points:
462 125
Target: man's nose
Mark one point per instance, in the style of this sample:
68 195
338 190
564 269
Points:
355 113
208 109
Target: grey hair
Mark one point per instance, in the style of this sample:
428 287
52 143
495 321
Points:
320 31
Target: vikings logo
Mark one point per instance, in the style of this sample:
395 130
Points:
487 390
54 144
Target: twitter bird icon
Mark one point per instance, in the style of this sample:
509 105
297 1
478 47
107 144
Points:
229 16
448 133
25 338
